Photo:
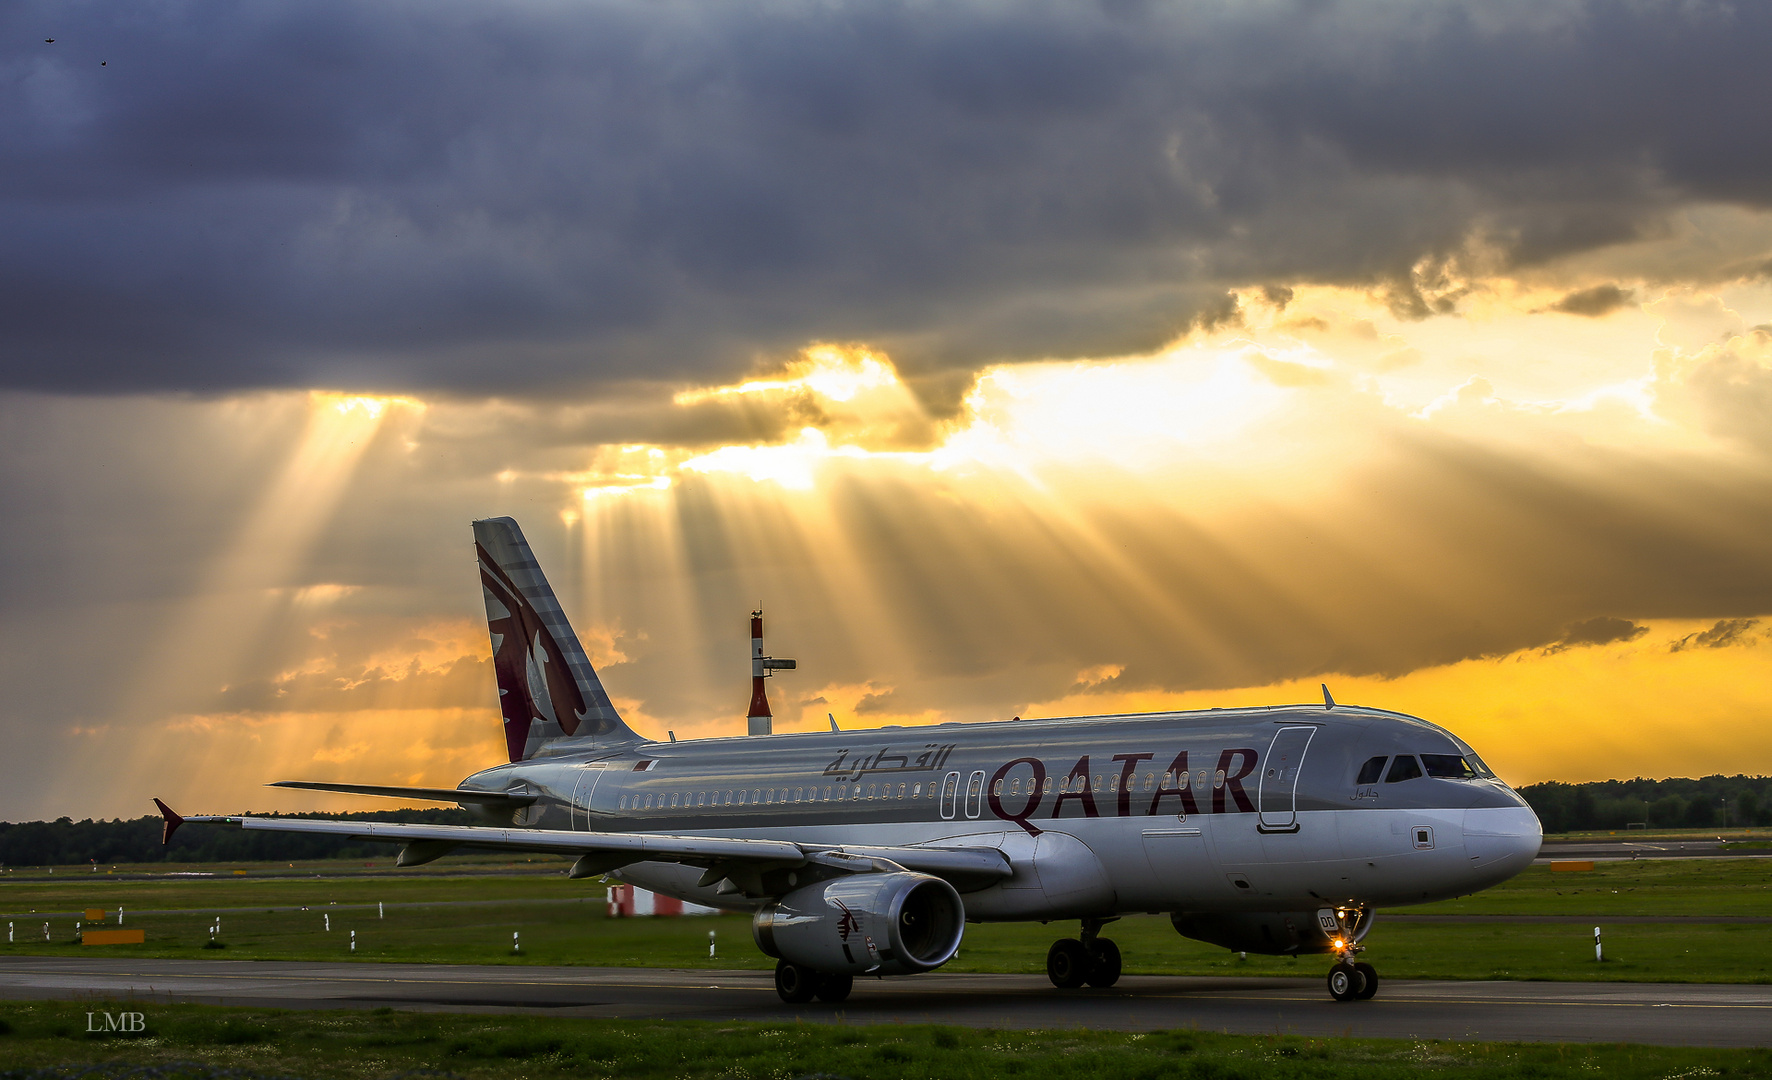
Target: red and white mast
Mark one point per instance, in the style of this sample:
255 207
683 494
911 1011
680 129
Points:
760 721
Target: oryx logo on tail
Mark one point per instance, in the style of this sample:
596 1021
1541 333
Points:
534 681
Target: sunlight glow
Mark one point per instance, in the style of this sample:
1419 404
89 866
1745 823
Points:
834 372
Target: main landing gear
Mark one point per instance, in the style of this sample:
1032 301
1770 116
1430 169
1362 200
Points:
797 984
1349 980
1094 960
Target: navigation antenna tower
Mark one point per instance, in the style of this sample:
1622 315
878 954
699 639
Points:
760 720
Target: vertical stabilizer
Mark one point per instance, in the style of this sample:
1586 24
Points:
547 689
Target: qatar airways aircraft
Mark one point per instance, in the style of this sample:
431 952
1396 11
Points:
1275 830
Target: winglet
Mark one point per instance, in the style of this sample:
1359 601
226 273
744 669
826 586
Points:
173 821
1328 702
833 721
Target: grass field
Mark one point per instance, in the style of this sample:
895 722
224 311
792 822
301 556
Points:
185 1042
471 920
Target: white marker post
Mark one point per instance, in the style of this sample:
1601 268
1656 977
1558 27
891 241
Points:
119 916
328 917
353 941
1599 956
45 931
381 911
710 944
516 946
9 933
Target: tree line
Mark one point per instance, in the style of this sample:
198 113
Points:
1708 802
64 841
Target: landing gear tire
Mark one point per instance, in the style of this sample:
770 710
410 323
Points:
1347 982
794 983
834 988
1371 987
1067 964
1104 963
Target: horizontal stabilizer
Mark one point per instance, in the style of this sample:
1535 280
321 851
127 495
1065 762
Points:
513 798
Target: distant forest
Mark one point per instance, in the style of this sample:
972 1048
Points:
1706 803
65 841
1709 802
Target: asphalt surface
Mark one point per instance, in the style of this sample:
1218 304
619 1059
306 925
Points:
1625 848
1666 1014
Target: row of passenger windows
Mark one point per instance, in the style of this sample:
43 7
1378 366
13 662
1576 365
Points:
1101 782
1075 785
1406 767
771 796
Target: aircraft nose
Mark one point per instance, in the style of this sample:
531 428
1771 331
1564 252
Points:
1502 841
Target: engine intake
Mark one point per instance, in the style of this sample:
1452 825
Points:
881 924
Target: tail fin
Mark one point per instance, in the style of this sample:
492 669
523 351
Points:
547 689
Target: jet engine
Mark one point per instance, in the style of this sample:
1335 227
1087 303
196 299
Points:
877 924
1272 933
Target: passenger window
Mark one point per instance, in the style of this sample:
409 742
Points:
1447 766
1371 771
1403 768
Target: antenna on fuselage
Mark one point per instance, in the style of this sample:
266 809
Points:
833 721
1328 702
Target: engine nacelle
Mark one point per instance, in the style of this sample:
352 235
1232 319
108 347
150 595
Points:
880 924
1271 933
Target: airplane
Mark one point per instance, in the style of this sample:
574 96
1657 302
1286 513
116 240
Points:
1277 830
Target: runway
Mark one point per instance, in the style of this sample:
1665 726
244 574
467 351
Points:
1665 1014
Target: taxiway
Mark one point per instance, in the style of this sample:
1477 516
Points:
1667 1014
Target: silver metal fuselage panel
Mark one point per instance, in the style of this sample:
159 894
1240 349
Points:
1220 811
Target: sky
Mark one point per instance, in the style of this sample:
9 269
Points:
1017 359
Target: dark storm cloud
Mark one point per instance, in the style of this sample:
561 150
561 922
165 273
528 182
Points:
1600 630
1594 302
1725 633
523 196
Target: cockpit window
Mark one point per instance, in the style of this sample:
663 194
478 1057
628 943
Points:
1371 771
1403 768
1448 767
1477 766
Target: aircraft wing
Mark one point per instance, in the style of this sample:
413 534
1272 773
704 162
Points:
751 867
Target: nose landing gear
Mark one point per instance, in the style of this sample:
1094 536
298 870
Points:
1095 960
1348 980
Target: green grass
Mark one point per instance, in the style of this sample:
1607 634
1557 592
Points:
266 885
385 1043
576 932
581 935
1645 887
